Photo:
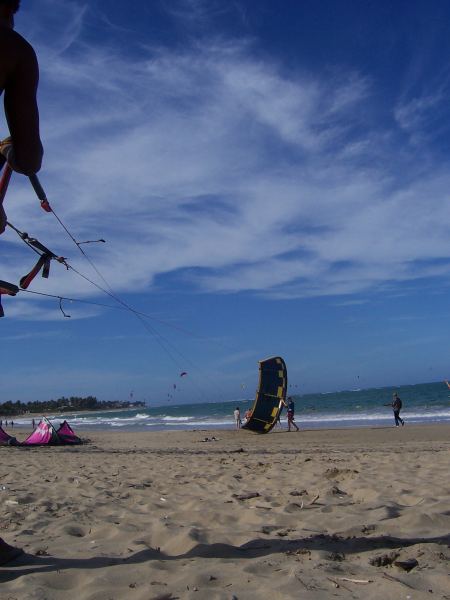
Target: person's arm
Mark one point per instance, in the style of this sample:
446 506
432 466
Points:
22 111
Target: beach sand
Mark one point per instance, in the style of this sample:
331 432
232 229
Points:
159 516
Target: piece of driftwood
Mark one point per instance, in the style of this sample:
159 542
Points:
355 580
247 496
339 585
391 578
335 583
302 582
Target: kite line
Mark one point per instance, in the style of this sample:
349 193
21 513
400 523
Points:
43 265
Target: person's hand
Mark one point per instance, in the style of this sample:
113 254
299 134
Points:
7 151
6 146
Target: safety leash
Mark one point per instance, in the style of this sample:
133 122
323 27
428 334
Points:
45 257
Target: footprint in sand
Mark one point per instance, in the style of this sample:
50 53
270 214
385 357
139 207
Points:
75 531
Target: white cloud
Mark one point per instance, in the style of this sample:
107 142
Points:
416 115
215 165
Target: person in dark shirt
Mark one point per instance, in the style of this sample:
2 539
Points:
19 75
397 407
291 413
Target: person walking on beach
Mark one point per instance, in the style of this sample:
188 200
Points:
397 407
290 413
237 417
19 75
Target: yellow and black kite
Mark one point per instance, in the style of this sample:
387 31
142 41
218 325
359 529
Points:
270 396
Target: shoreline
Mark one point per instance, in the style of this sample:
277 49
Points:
416 432
213 427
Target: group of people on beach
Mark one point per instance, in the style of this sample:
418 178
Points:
396 405
289 405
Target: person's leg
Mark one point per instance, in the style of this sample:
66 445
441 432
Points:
397 418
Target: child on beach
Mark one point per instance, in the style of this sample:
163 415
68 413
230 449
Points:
237 417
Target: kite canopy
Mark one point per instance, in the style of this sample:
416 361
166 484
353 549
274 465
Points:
67 435
270 396
6 439
44 435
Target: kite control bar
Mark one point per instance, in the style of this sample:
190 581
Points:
6 148
4 181
40 192
45 204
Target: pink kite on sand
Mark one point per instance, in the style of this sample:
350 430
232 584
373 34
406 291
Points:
6 439
67 435
44 435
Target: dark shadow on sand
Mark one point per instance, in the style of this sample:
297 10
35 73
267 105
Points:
28 564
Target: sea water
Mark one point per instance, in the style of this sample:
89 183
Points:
422 403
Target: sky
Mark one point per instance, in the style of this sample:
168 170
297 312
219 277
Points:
270 179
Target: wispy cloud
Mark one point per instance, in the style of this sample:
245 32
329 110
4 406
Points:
197 12
216 166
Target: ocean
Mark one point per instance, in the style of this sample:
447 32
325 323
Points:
422 403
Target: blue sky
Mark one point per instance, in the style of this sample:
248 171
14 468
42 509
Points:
271 178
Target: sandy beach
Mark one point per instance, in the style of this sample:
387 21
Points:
361 513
